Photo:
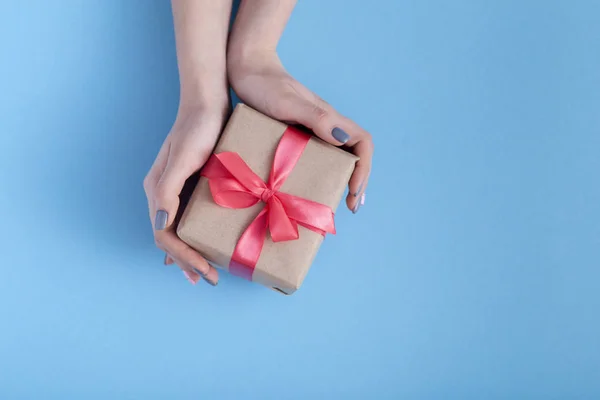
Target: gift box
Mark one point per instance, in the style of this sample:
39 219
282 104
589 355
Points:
265 200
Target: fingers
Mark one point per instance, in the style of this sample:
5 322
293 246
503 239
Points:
360 177
329 125
190 275
186 258
183 160
166 203
319 117
154 175
357 186
166 196
211 277
163 185
193 276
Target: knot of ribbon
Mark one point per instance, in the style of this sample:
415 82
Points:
266 195
234 185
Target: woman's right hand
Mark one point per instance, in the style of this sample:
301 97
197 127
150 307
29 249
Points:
184 152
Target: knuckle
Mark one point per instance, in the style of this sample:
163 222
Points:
320 113
147 183
158 243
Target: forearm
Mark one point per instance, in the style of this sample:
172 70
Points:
201 28
258 26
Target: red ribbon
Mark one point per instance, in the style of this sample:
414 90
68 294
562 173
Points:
234 185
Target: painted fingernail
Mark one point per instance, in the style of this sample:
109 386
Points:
188 276
340 135
359 189
359 203
166 260
209 282
160 222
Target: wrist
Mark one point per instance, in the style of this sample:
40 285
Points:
243 59
202 100
209 97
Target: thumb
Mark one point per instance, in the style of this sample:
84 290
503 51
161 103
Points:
166 194
319 117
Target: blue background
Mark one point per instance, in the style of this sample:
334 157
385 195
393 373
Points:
472 271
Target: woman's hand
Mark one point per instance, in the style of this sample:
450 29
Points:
261 81
201 36
184 152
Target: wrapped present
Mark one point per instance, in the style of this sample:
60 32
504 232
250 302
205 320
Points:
265 200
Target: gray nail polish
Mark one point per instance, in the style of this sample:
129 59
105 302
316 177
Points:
358 190
160 222
340 135
356 207
209 282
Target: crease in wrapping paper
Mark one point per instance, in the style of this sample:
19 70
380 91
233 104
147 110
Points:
321 175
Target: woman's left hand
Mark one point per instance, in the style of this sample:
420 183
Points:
262 82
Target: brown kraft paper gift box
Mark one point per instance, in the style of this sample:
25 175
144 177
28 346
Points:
321 175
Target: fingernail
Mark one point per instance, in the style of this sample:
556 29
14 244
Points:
340 135
166 260
160 222
359 203
188 276
209 282
359 189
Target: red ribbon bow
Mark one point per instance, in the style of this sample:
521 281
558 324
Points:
234 185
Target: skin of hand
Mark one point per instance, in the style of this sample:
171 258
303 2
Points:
201 36
184 152
260 80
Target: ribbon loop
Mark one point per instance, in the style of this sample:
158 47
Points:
233 184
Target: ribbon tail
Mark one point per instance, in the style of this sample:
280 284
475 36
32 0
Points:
312 215
247 250
289 150
312 228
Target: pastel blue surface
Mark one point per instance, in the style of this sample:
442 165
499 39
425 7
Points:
472 271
